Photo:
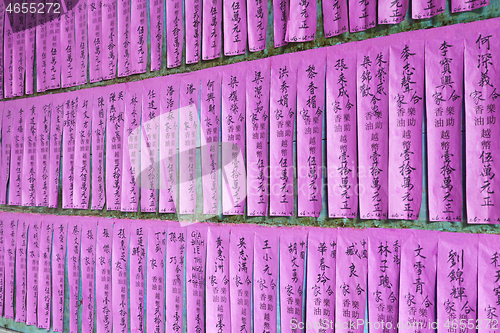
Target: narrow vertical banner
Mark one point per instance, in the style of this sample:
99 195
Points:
124 27
21 274
169 102
53 76
98 196
30 176
257 25
210 113
74 243
156 15
71 106
131 145
83 137
235 27
56 128
362 15
32 262
139 36
42 156
104 304
115 96
195 277
281 13
119 285
95 40
44 275
258 80
406 113
482 135
17 152
218 280
335 19
465 5
7 130
149 144
2 41
373 131
138 243
58 262
310 107
88 262
341 138
301 26
282 112
18 54
351 279
3 238
293 248
188 122
212 29
109 39
193 30
422 9
81 41
41 52
384 263
321 258
157 238
175 33
417 289
392 12
8 47
68 47
233 139
457 280
443 104
265 279
10 224
29 40
174 279
487 272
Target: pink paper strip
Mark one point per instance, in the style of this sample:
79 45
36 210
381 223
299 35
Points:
193 30
44 274
195 277
482 135
421 9
417 290
301 26
169 101
138 242
257 106
282 122
10 224
362 15
467 5
98 133
74 242
43 150
54 54
41 52
139 37
487 272
95 40
335 17
281 13
104 304
241 275
68 44
124 27
444 153
131 145
233 138
174 279
115 96
58 262
7 128
257 25
341 136
212 29
210 113
321 258
149 144
384 262
29 175
351 279
392 12
3 238
265 291
29 40
71 109
109 39
235 27
457 279
293 245
188 122
19 54
16 157
81 42
83 137
406 109
8 54
119 285
310 101
175 33
88 262
56 126
156 16
21 274
373 143
2 40
155 320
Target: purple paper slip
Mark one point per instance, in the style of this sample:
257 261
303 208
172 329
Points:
3 239
138 243
8 45
156 15
81 41
21 273
155 283
257 24
56 127
212 29
98 131
235 27
68 55
95 38
124 27
83 138
41 52
57 264
74 242
70 109
174 279
43 151
119 260
10 224
175 33
487 283
7 129
192 15
103 276
88 262
17 150
195 276
362 15
44 274
421 9
281 13
139 37
467 5
53 71
109 39
29 171
29 46
301 26
335 17
392 12
18 54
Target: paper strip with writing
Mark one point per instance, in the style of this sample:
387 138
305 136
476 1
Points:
44 274
192 15
174 279
103 269
196 251
155 298
175 33
212 29
74 243
138 246
58 262
88 264
235 27
156 17
83 138
139 36
257 25
42 156
119 284
98 132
